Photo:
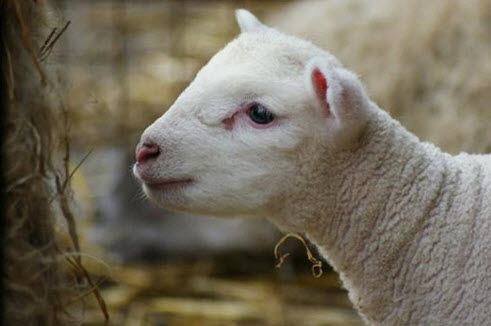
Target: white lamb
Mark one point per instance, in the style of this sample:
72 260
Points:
275 127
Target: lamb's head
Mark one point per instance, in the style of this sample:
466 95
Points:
252 127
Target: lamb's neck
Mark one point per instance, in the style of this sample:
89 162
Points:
376 203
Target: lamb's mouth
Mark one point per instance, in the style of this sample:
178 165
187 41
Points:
168 184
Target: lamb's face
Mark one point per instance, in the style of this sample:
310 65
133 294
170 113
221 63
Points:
235 139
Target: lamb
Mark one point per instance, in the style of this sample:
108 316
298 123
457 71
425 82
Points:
275 127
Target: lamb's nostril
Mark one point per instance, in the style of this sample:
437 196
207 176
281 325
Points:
146 152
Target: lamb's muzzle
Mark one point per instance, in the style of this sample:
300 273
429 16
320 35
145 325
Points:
146 151
407 226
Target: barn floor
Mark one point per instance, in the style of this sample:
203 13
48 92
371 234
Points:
218 291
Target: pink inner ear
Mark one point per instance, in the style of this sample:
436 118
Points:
320 86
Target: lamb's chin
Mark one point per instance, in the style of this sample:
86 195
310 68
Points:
170 196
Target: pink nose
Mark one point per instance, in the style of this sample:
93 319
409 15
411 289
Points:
146 152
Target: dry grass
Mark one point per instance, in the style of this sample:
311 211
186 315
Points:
316 263
204 293
44 278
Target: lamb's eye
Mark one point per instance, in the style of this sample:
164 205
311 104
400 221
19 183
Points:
260 115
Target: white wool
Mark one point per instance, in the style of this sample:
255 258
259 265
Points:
407 226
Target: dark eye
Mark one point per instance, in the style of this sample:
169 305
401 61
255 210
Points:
260 115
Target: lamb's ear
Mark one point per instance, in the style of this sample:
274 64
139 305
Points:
338 92
247 21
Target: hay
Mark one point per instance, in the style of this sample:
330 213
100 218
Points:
204 294
43 273
316 263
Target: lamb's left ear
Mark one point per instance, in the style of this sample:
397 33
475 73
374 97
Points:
338 93
247 21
